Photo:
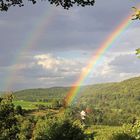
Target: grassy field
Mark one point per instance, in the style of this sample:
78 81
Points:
29 105
103 132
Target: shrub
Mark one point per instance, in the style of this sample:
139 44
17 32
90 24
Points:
57 130
121 136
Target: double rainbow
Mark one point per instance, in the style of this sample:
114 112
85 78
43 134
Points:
35 35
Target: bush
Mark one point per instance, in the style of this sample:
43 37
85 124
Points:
19 110
57 130
121 136
25 128
136 130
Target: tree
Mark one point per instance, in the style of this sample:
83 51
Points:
66 4
128 132
55 103
19 110
8 121
52 129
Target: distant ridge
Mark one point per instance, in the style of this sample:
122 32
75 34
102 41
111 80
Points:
60 92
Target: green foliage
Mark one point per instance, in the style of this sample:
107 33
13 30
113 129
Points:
104 104
51 129
42 95
8 121
55 104
122 136
40 106
25 128
19 110
14 126
136 130
31 105
72 113
128 132
109 102
103 132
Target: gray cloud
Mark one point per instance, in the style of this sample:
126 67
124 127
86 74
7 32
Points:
69 35
126 64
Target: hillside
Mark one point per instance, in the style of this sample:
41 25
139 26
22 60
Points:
41 94
130 87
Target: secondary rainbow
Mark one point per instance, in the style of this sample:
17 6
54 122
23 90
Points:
96 58
30 42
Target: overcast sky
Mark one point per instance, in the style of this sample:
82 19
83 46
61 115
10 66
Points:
45 46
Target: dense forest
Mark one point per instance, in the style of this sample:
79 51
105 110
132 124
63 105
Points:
126 87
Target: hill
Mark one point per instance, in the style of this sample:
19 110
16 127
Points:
41 94
130 87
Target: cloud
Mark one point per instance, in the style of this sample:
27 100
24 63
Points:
45 70
62 66
128 63
47 61
66 43
114 67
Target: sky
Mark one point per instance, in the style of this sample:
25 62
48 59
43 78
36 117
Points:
45 46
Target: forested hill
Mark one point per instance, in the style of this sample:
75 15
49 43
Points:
41 94
129 88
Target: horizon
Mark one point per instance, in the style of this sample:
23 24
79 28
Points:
72 86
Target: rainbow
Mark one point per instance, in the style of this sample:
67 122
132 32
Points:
96 58
30 42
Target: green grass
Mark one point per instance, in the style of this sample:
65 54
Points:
29 105
102 132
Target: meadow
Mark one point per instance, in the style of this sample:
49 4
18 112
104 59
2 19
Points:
29 105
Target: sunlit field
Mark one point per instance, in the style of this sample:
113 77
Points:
29 105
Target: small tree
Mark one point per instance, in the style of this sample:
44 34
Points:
55 104
19 110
